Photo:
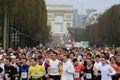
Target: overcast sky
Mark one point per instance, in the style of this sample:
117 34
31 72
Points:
100 5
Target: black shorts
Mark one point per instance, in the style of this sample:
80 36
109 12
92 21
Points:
98 77
36 79
115 77
55 77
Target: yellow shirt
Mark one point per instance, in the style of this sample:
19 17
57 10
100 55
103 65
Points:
60 69
36 71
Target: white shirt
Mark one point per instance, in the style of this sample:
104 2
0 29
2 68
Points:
98 65
14 64
2 65
111 55
54 67
3 72
107 69
68 71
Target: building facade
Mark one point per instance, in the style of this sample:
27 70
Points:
60 17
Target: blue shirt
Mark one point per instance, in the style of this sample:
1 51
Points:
24 72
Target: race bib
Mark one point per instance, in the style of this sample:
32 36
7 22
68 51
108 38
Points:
76 75
7 76
54 70
35 75
24 75
88 75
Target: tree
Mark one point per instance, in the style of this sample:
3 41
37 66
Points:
28 17
76 33
105 32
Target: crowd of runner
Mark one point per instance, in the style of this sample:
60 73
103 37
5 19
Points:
60 63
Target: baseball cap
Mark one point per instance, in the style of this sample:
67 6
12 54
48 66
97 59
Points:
13 56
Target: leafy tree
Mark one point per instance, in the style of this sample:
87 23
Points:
105 32
29 17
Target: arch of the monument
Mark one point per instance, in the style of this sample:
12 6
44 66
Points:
57 12
58 24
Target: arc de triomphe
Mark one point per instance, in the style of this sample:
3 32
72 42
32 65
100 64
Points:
60 17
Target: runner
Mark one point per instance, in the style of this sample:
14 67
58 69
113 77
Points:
23 72
78 69
10 71
89 71
115 67
35 71
106 70
53 70
68 69
98 65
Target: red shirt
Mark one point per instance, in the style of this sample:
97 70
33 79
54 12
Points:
77 68
17 52
115 67
45 64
